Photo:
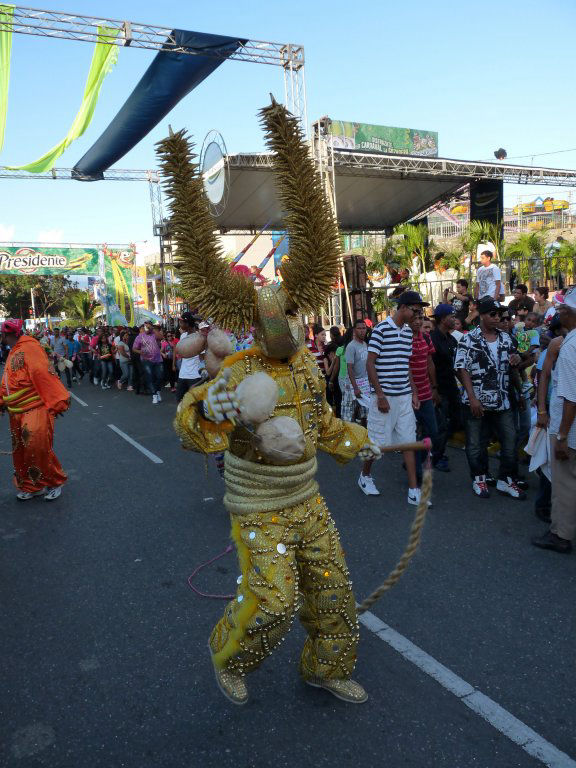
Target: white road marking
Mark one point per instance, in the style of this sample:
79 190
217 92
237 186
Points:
145 451
78 400
209 498
498 717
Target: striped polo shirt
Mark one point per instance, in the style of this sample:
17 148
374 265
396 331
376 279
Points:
393 347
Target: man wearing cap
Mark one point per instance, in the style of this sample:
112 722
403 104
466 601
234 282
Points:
33 395
190 369
391 419
562 431
483 360
448 411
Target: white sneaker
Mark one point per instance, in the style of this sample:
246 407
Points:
25 495
158 397
53 493
154 399
480 487
367 484
96 382
414 497
509 488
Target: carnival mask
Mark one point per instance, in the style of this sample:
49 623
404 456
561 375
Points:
279 330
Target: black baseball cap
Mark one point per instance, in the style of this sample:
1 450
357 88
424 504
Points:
410 297
488 304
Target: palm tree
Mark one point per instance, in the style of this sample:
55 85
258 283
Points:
415 242
527 253
79 306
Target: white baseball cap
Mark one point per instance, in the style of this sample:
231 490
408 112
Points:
570 297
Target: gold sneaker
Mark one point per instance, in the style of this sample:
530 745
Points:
347 690
232 686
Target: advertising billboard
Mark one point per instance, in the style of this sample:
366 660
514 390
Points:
48 261
383 139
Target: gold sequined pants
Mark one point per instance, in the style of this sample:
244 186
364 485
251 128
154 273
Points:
281 553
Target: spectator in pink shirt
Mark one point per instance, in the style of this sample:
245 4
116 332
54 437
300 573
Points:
147 346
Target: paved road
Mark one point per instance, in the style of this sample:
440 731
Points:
103 657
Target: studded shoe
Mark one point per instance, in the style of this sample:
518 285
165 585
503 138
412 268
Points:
347 690
232 686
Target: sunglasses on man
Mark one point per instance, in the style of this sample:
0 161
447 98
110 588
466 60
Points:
494 313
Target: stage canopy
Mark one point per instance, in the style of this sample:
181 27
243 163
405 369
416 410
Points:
373 192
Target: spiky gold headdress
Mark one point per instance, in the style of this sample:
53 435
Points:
207 282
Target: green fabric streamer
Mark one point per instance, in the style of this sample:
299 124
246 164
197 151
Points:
6 15
103 60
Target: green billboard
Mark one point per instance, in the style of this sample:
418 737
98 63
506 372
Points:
48 261
383 139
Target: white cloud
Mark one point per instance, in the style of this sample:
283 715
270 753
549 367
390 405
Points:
50 236
7 233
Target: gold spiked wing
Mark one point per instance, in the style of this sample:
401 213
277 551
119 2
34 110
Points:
314 253
207 282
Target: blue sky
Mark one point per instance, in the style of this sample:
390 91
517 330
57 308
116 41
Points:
483 75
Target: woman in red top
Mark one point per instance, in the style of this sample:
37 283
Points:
316 347
424 378
167 351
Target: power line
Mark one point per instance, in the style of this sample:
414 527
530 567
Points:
539 154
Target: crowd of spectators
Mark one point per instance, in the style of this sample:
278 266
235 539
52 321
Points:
475 369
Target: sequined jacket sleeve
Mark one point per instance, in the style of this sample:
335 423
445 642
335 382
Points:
196 432
340 439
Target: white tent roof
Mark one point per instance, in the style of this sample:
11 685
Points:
372 191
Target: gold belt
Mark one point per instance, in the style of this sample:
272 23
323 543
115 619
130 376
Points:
252 487
23 400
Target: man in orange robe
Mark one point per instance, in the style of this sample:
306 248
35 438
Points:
33 395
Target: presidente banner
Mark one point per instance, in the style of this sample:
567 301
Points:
383 139
48 261
117 273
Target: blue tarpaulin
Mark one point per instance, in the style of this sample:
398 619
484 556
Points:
169 78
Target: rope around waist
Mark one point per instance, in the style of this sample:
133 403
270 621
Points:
252 487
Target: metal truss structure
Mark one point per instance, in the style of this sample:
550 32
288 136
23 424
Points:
409 166
112 174
70 26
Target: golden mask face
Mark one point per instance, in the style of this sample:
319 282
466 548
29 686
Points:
279 329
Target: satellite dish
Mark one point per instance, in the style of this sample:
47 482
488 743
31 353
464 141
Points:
215 172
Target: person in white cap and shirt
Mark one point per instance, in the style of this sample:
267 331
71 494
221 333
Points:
562 431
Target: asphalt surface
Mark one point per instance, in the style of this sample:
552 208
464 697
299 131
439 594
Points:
103 658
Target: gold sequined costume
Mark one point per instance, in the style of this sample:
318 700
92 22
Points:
285 537
283 547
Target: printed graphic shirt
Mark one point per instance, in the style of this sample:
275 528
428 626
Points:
487 277
149 346
490 375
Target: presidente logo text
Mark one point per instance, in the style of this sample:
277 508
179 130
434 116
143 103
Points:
27 261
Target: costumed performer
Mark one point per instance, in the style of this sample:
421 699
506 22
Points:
33 395
285 537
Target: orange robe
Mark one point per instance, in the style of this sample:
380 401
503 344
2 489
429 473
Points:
33 395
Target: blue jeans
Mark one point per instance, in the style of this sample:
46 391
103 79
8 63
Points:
106 371
478 434
126 368
428 426
153 376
